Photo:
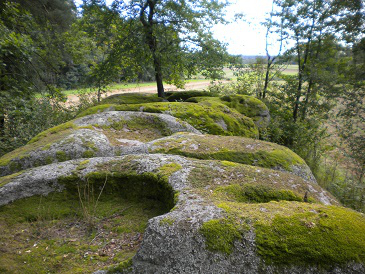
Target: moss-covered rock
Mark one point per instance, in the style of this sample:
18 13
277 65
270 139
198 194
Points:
235 205
99 135
216 118
228 216
185 95
234 149
244 104
131 98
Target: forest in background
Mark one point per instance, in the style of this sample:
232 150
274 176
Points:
48 46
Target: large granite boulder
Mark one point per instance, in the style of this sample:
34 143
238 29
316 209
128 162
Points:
230 204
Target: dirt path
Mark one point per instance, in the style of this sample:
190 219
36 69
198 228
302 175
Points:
72 99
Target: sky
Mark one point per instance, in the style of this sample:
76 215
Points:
247 36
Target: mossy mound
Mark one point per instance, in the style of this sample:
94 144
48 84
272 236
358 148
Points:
215 119
224 179
292 234
244 104
234 149
131 98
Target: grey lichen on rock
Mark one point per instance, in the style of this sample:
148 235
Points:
99 135
232 204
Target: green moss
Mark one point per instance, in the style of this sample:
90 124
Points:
138 128
220 235
207 117
90 146
121 267
256 193
85 162
126 183
215 119
23 152
206 176
96 109
233 149
6 179
46 147
50 234
184 95
61 156
88 154
328 236
228 163
86 127
168 169
82 165
132 98
167 221
15 166
53 130
247 105
49 160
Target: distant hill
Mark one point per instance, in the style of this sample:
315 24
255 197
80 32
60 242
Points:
248 59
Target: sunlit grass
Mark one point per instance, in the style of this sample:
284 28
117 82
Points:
121 86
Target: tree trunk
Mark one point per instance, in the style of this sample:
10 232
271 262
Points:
2 124
305 105
297 102
266 79
158 77
152 43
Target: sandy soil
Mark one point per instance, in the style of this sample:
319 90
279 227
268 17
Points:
72 99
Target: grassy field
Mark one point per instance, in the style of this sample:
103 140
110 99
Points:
122 86
228 75
291 70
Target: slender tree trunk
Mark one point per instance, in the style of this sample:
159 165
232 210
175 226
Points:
2 124
152 43
297 100
158 77
305 105
99 94
310 85
266 78
300 79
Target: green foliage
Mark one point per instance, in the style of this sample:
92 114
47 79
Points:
220 235
29 122
175 39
